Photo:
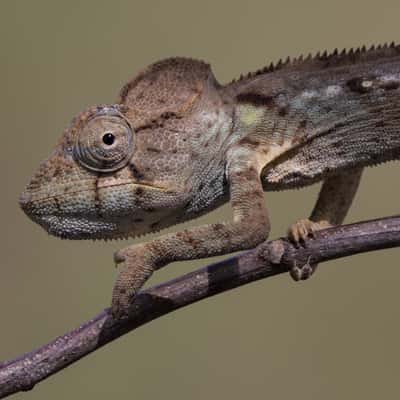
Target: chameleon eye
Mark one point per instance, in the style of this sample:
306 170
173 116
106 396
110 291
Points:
108 138
105 141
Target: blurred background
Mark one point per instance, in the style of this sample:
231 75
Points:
335 336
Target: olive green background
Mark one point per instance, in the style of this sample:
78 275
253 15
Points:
333 337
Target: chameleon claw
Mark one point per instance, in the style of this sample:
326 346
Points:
304 272
300 231
304 229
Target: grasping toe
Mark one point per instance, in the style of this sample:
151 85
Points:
304 272
303 229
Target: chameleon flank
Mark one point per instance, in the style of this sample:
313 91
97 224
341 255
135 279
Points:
178 144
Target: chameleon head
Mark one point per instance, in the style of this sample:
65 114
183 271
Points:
89 189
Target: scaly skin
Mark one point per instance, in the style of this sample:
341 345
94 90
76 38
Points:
178 144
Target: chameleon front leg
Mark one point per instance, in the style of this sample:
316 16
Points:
249 227
334 200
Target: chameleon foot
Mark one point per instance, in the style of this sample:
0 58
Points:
303 229
304 272
298 233
134 273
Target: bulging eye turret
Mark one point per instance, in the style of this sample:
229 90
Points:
105 142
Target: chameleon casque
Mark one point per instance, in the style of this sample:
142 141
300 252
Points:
178 144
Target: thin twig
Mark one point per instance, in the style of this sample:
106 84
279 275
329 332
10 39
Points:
268 259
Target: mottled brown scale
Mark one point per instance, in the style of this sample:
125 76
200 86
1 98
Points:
256 99
154 225
96 195
357 84
390 85
303 124
136 174
249 141
139 191
197 144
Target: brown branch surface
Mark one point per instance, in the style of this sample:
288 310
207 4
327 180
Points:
268 259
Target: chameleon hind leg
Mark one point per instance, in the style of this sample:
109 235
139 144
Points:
249 227
334 200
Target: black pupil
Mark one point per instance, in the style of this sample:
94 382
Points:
108 138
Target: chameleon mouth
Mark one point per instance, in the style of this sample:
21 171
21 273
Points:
27 199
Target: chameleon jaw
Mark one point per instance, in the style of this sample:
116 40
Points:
80 228
74 228
99 216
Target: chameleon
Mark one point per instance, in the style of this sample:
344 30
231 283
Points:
178 144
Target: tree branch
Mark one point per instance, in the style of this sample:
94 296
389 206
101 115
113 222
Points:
268 259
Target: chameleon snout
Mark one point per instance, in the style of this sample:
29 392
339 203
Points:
34 206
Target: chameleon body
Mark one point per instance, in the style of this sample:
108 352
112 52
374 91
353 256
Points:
178 144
